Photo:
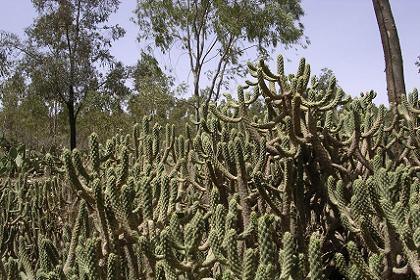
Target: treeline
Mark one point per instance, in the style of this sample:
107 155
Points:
27 118
60 81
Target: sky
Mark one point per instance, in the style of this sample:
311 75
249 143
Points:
344 37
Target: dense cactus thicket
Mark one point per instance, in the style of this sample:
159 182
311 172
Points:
320 186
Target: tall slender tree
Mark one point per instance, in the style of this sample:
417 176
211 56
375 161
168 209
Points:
67 51
392 51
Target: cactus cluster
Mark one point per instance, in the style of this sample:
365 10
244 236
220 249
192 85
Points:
318 186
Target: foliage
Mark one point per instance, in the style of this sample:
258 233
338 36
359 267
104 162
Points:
325 77
318 187
66 48
215 34
154 90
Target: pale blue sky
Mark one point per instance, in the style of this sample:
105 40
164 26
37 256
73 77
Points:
343 33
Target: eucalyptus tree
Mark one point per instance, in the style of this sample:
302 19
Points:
66 51
216 33
153 90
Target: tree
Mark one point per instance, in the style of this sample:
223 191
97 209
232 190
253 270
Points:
392 51
221 30
154 96
67 51
24 116
12 91
324 78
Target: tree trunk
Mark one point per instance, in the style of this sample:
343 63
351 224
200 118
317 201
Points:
72 118
392 51
72 124
197 96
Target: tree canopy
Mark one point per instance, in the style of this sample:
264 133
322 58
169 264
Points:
66 51
217 33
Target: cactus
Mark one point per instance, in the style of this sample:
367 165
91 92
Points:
315 185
